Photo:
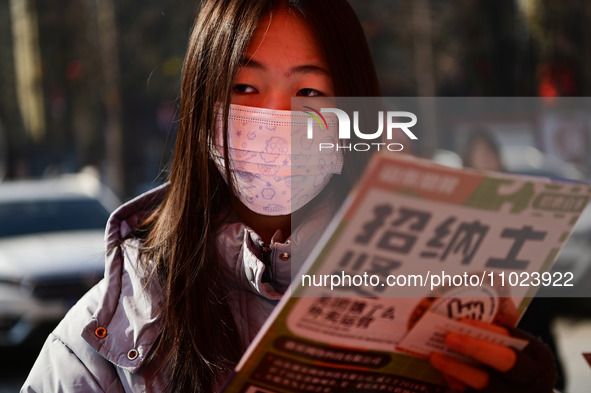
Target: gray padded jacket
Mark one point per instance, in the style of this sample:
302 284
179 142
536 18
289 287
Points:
102 343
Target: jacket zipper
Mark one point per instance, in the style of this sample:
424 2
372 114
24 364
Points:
266 259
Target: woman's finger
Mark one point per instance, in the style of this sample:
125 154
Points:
485 325
462 372
497 356
454 384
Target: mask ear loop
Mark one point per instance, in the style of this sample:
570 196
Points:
222 162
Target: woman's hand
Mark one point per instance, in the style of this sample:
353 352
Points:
501 369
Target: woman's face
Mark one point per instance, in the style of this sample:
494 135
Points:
283 60
484 157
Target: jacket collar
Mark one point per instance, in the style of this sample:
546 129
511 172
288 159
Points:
126 323
129 311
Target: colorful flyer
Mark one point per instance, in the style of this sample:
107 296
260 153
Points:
414 249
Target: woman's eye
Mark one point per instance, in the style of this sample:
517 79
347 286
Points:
309 93
244 89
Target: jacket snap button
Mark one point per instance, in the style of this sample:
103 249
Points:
132 354
101 332
284 256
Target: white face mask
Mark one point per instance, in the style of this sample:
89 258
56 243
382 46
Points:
275 167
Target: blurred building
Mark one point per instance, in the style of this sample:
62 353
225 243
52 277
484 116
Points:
103 82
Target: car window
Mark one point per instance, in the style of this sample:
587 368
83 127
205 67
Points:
26 217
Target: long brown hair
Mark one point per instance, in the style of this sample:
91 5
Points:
200 338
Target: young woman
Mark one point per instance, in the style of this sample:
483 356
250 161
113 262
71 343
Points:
482 151
187 283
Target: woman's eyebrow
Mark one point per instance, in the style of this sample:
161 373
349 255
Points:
250 63
309 69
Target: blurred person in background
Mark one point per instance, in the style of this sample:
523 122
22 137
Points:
482 151
188 280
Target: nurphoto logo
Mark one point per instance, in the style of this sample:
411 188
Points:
395 121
